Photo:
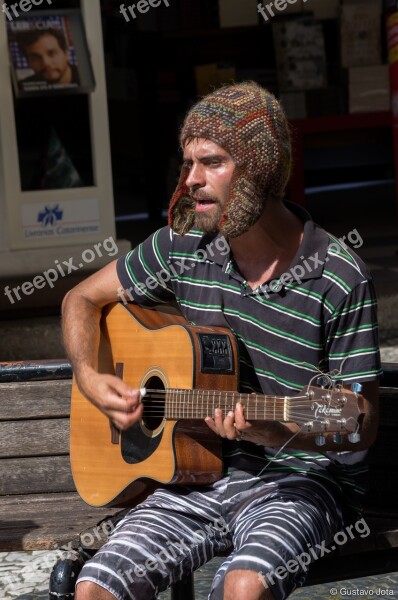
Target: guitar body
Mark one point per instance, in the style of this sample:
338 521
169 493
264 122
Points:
158 350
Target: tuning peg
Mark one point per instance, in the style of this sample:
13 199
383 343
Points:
354 437
322 380
320 440
337 438
356 388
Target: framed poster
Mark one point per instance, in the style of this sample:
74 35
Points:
300 54
73 205
49 54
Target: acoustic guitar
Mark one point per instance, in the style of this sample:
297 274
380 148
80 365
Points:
187 372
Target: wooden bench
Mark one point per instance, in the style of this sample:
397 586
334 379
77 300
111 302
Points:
41 509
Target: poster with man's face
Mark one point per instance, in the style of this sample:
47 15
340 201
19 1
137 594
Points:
43 55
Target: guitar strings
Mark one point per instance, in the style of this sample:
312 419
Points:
190 407
218 395
159 395
158 403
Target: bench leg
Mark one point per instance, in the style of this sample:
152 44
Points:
64 575
184 589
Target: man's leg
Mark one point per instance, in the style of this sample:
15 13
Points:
276 535
244 584
155 545
91 591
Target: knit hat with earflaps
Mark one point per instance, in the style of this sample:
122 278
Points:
249 123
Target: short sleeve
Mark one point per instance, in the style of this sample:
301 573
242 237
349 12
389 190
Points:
144 272
352 341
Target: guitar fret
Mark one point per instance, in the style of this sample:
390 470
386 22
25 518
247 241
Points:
197 404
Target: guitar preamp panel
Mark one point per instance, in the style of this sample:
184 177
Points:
216 354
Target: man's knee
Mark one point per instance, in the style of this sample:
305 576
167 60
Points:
242 583
87 590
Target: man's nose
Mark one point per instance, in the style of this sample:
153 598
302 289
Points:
196 176
46 61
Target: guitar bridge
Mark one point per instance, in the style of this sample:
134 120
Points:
215 353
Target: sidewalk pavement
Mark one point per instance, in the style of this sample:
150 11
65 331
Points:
25 576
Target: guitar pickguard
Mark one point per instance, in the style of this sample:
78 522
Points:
137 445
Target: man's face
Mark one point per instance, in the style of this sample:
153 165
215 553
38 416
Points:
209 179
48 60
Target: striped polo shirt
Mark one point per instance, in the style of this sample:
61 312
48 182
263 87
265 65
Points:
319 316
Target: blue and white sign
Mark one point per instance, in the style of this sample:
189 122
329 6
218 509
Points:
57 219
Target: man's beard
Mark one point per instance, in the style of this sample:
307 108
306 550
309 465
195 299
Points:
207 221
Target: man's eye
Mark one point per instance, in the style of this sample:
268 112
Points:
212 161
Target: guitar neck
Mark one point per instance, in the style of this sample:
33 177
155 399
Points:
198 404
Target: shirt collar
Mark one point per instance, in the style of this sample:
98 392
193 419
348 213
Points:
214 248
312 251
310 255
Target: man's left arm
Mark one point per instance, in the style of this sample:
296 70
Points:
352 348
278 434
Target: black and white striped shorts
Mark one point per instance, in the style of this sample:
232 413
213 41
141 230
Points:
267 520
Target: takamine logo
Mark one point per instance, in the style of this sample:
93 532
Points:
50 216
326 411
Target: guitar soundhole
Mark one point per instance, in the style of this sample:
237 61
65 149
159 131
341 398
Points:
153 404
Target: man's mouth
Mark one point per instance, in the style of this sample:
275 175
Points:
203 204
50 73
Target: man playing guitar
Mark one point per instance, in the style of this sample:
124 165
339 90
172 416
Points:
281 492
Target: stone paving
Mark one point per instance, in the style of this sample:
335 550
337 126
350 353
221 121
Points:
24 576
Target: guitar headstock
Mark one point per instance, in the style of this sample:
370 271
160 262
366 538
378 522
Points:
327 409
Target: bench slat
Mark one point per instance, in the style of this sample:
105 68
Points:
39 370
36 399
35 525
34 438
35 475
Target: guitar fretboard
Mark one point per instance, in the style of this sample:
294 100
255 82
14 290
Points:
198 404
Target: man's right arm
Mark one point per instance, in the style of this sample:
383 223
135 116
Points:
81 314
